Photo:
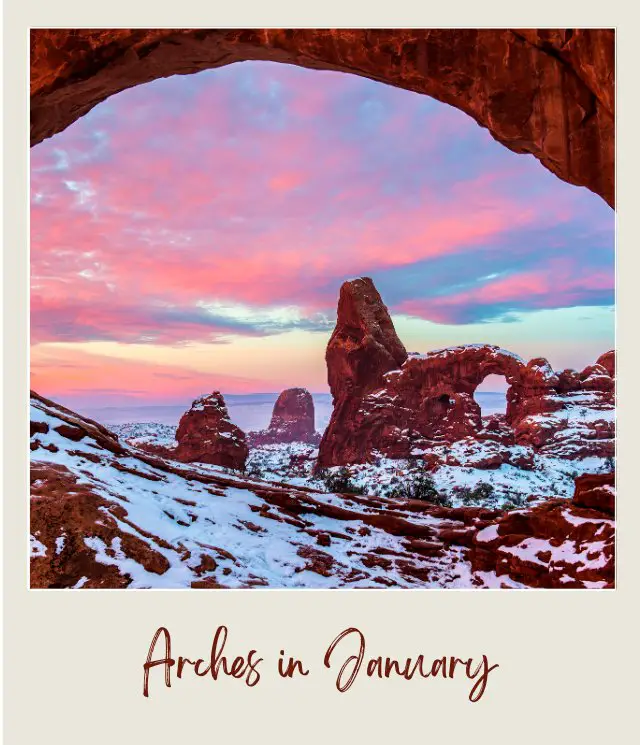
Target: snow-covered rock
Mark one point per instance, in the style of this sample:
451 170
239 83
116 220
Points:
107 514
388 402
206 434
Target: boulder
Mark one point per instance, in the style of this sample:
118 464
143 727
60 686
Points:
608 361
596 378
596 491
205 434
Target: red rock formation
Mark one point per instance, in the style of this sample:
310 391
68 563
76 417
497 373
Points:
64 510
205 434
596 378
558 543
398 407
293 420
75 428
364 344
596 491
608 361
106 515
363 347
546 92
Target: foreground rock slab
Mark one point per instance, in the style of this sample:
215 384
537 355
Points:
559 543
104 514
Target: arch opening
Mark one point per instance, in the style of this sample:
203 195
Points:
492 396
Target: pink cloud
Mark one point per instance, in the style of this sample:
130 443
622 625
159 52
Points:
268 192
73 372
562 287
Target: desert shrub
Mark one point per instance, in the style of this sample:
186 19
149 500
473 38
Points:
516 501
339 481
254 471
481 493
420 486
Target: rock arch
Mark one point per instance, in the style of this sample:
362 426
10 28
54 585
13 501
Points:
545 92
390 403
441 385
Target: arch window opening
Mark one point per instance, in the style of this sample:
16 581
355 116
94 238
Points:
491 396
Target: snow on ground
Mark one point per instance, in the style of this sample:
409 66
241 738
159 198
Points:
510 486
184 516
266 527
37 548
136 433
293 463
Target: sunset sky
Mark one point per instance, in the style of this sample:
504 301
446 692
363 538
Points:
192 234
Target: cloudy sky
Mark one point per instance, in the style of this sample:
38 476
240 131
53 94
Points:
193 233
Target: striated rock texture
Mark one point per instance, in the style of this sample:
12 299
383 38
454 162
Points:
293 420
559 543
388 403
205 434
547 92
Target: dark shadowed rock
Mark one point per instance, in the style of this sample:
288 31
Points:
548 92
596 491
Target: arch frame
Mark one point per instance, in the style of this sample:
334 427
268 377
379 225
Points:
546 92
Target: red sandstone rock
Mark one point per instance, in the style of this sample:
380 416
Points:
596 491
293 420
363 347
318 561
205 434
75 427
608 361
569 381
62 505
80 523
558 543
364 344
547 92
401 408
596 378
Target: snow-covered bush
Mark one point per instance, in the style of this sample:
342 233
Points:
419 486
339 482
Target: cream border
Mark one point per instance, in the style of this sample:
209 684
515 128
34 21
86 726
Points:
73 661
